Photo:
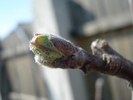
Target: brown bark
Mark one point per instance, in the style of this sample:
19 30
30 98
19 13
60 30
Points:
107 61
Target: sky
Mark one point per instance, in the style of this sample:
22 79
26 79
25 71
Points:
13 12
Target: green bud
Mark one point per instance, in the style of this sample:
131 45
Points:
41 46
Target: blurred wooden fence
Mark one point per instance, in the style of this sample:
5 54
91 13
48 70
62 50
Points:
91 19
21 79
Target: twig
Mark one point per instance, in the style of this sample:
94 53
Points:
108 61
66 55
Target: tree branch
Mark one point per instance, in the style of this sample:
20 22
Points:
66 55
